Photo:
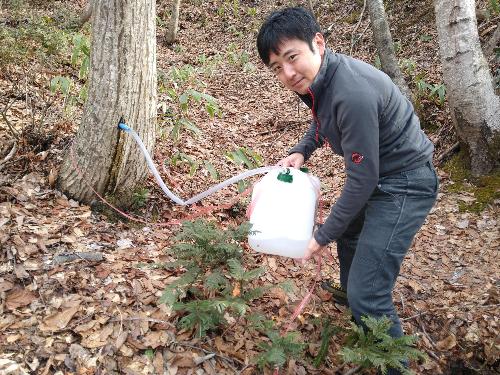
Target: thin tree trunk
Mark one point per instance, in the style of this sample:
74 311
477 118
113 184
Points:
174 22
122 82
474 106
311 6
86 14
492 42
385 45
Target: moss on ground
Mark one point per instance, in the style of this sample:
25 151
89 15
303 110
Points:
486 189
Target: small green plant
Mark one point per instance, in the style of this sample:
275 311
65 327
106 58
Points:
182 158
80 59
179 92
252 11
245 156
435 92
140 197
32 37
215 285
408 66
211 169
373 347
279 349
239 58
494 7
377 63
326 334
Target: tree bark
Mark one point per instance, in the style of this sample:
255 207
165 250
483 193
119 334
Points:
385 45
474 106
174 22
122 82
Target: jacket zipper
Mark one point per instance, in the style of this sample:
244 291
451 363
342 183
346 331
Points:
315 117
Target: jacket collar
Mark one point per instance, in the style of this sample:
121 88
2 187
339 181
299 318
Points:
326 71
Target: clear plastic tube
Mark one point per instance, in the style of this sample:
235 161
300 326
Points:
199 196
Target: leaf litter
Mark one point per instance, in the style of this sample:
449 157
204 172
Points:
63 311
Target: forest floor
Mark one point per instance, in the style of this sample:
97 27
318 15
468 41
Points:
80 290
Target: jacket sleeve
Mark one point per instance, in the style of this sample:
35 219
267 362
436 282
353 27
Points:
308 144
359 128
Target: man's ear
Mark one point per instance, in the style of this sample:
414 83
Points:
319 41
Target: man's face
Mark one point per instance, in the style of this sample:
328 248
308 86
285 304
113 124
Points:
296 65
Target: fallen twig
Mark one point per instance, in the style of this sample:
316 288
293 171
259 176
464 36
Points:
85 255
140 318
226 359
13 131
9 155
448 151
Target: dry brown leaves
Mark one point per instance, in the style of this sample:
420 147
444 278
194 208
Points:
77 315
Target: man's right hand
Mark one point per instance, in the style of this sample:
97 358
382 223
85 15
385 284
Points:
295 160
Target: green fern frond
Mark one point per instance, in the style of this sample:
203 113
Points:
375 348
216 281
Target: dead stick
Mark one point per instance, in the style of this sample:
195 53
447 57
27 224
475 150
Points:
9 155
447 152
353 42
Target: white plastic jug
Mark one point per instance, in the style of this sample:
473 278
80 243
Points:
282 212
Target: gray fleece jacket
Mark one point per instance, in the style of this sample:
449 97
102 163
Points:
364 117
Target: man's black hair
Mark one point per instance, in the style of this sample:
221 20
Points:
286 24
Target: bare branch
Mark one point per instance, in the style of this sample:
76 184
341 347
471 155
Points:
353 41
13 131
9 156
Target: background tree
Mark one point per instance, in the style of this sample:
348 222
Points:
87 12
474 106
122 82
173 26
385 45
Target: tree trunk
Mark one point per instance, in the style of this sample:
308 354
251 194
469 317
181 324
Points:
311 6
174 22
474 106
122 82
385 45
492 43
87 12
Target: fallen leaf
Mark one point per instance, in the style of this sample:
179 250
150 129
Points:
155 339
448 343
5 285
415 286
473 333
19 298
59 320
184 359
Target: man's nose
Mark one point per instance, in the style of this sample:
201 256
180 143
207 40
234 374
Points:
288 71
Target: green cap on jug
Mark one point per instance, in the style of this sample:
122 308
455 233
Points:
285 177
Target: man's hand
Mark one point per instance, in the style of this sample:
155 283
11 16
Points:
314 249
295 160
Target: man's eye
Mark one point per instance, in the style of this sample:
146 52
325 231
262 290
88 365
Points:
276 69
292 57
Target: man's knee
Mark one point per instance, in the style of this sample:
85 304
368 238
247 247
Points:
359 301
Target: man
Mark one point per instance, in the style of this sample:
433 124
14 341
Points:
390 185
